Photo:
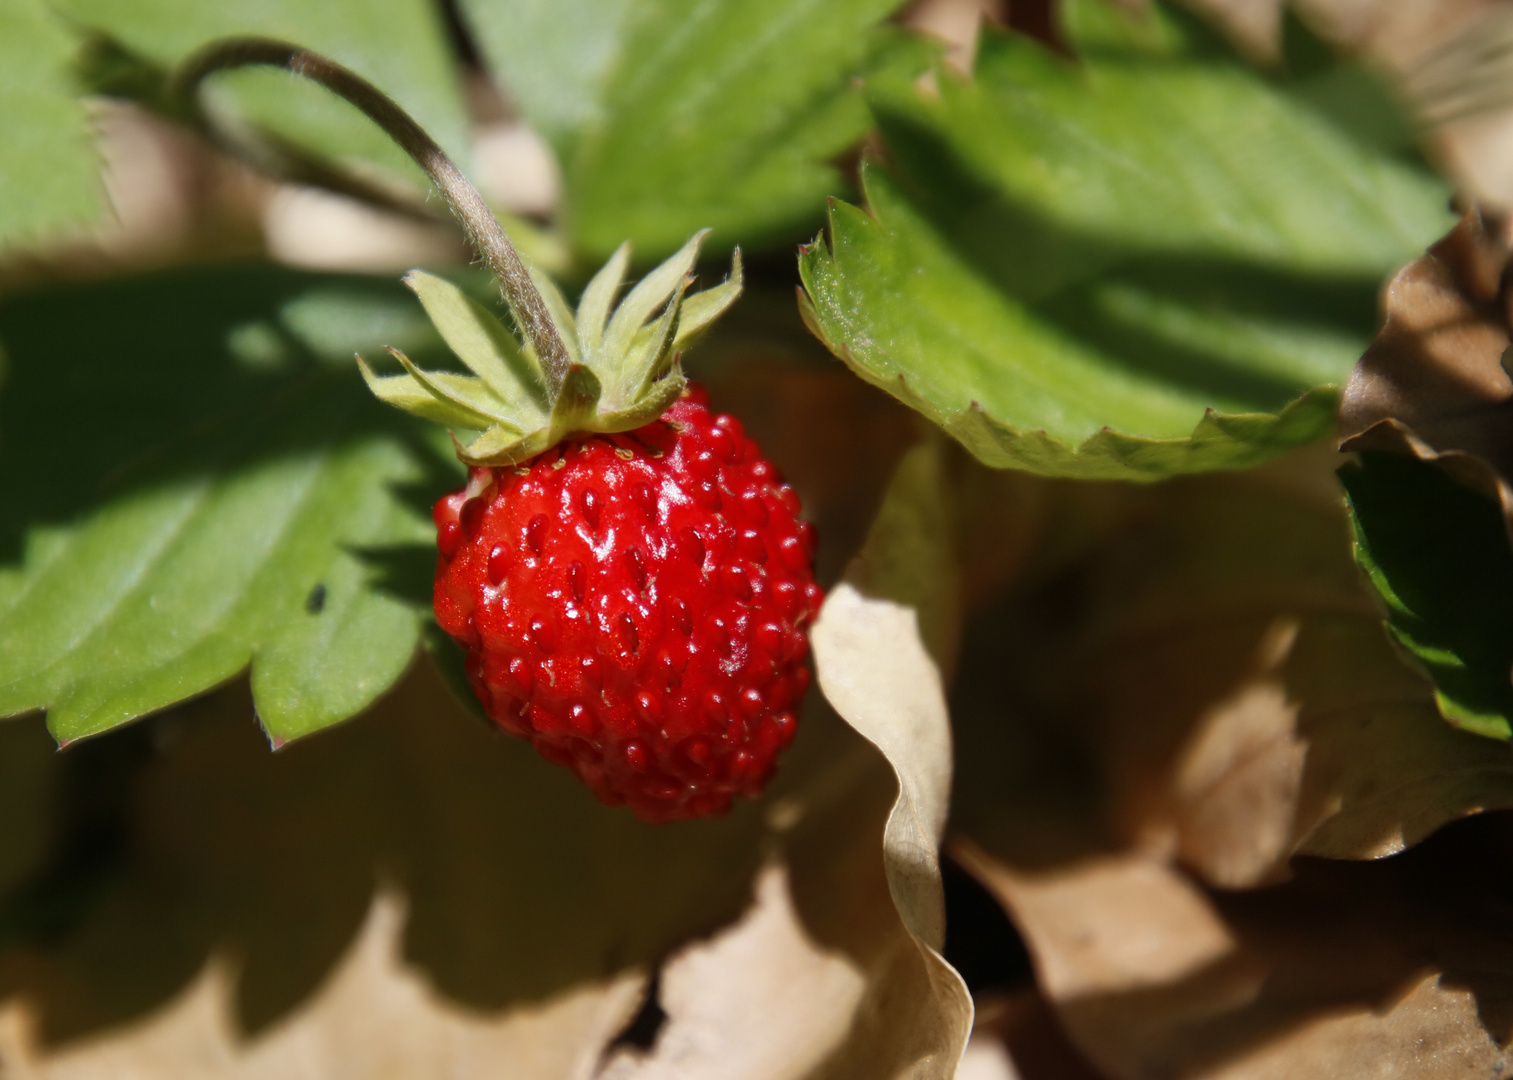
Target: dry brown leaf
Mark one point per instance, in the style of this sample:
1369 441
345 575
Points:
1215 683
519 885
1394 969
372 1019
1031 1036
877 672
1433 383
242 938
759 1001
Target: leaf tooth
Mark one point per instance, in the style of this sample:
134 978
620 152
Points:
482 418
650 293
597 298
811 319
703 308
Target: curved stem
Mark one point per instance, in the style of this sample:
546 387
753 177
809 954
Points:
483 230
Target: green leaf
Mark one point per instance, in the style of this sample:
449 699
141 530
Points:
48 175
1438 555
399 45
218 496
1150 262
673 115
1355 94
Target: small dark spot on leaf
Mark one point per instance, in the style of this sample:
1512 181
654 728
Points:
315 603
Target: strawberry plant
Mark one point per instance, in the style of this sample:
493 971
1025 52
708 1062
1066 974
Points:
1002 542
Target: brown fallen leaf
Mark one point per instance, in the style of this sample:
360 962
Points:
1433 384
733 1013
877 669
413 893
372 1018
518 885
1395 968
1213 683
1023 1030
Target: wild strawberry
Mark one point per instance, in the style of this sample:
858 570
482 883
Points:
626 571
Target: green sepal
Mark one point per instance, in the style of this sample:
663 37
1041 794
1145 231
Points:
501 446
562 315
651 353
658 396
481 341
650 293
599 296
702 308
467 397
577 401
403 392
624 369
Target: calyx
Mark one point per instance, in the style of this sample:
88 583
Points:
622 368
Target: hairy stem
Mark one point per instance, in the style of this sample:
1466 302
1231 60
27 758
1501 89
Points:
483 230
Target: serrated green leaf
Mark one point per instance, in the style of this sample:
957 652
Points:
672 116
1437 554
48 174
1149 262
1354 94
211 501
399 45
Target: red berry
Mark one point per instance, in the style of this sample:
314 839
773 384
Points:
636 605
